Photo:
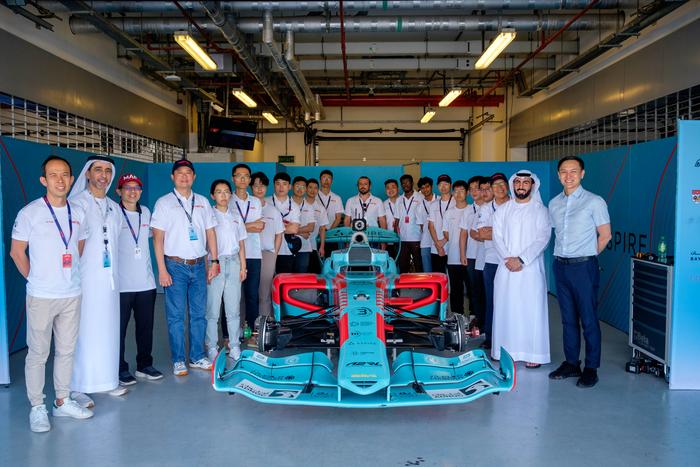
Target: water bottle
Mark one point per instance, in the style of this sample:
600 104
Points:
662 250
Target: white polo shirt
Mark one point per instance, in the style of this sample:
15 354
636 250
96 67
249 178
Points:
371 210
321 219
451 224
135 269
273 226
289 211
306 217
391 212
230 230
491 255
35 225
426 241
170 217
409 216
437 215
249 210
468 223
332 203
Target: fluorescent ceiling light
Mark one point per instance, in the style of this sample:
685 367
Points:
245 98
494 50
429 113
450 96
191 47
270 118
217 107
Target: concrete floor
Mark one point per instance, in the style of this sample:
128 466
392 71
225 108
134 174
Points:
625 420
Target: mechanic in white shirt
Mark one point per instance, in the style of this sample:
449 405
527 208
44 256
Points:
183 225
365 206
438 253
451 226
425 185
391 188
55 231
409 225
271 239
333 205
290 217
137 286
249 209
230 241
322 224
469 246
307 224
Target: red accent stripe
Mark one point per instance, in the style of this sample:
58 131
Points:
656 197
619 172
381 332
343 324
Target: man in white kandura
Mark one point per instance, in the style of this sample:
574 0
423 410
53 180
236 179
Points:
521 231
96 366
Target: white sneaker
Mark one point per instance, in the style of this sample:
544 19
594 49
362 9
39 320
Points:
118 391
203 364
72 409
83 400
39 419
212 352
179 369
235 352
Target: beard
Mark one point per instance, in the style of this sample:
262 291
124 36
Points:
523 195
363 190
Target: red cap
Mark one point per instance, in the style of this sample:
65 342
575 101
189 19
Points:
126 178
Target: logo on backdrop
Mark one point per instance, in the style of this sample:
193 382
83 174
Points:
697 163
628 242
696 196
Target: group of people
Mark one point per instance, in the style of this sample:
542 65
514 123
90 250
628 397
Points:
89 264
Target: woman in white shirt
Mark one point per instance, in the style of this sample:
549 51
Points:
230 236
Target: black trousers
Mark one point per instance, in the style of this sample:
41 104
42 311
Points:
439 263
315 262
143 304
410 253
284 264
458 281
249 291
475 292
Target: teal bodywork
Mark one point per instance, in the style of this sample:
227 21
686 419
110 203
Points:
358 305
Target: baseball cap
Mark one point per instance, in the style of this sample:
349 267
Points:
444 178
182 163
126 178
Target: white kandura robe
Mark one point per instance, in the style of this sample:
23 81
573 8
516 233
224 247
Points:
520 311
96 361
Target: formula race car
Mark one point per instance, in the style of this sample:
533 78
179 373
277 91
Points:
362 314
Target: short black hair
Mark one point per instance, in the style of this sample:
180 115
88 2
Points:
475 178
55 158
406 177
220 181
571 158
282 176
391 180
259 176
241 166
460 183
298 179
325 172
484 181
425 181
366 178
312 180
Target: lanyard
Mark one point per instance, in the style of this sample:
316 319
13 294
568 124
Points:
128 222
105 237
425 207
188 214
58 226
327 203
364 206
493 206
247 209
408 209
288 210
391 208
446 207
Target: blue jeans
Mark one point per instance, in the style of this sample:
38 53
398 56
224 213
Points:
251 288
425 256
189 286
577 293
226 285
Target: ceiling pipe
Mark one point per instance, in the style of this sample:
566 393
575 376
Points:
230 32
373 24
342 48
409 101
295 68
231 7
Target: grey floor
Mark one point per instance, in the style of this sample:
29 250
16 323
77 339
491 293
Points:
625 420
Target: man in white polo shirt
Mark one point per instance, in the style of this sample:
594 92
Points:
55 232
409 225
425 185
322 224
365 206
183 225
281 201
307 224
438 253
332 203
137 286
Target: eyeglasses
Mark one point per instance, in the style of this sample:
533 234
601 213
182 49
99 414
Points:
131 188
222 192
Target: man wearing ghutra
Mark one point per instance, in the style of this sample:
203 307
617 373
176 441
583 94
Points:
96 365
521 231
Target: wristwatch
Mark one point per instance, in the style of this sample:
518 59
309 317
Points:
521 261
215 261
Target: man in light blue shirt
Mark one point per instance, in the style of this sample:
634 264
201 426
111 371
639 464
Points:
582 229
